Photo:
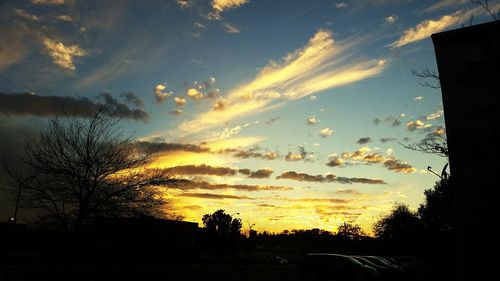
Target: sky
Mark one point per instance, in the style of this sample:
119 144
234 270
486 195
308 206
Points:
288 114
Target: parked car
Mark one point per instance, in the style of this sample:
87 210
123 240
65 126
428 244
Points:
327 266
380 261
384 272
278 260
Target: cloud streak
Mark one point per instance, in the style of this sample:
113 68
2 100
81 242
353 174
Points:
44 106
292 175
426 28
320 65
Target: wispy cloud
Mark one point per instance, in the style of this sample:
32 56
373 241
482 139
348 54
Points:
341 5
241 187
231 28
220 6
213 196
426 28
444 4
48 2
318 66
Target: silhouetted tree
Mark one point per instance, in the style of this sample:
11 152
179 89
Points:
401 228
437 210
349 231
82 168
222 230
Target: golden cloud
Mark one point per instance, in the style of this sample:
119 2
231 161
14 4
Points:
61 54
318 66
426 28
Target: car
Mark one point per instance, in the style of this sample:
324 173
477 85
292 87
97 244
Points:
278 260
330 266
382 262
384 272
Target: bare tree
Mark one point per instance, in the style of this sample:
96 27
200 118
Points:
436 145
430 77
486 6
79 169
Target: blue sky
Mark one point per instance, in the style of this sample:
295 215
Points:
297 83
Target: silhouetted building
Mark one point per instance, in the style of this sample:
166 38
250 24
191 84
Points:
468 61
147 238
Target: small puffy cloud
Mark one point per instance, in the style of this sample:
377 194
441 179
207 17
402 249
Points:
199 25
335 162
195 94
311 120
326 132
398 166
261 174
220 6
389 151
301 155
272 120
180 101
161 94
418 124
417 98
61 54
184 3
364 140
65 18
231 28
341 5
176 112
435 115
391 19
294 156
427 27
270 155
389 120
384 140
439 131
313 98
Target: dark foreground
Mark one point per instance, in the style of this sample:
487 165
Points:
223 272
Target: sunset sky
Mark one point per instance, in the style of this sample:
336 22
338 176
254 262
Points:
290 113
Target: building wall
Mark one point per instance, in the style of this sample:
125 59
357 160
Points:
468 62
